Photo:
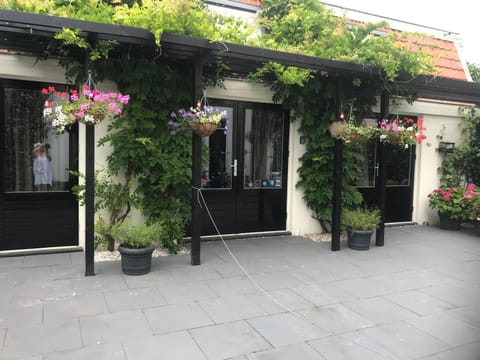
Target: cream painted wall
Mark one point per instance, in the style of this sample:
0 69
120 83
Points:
23 67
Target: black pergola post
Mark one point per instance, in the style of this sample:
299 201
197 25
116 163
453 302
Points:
89 200
196 174
337 173
382 174
89 188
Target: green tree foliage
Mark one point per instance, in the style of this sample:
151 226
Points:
463 165
474 71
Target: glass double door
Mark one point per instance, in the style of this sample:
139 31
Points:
399 165
244 169
37 207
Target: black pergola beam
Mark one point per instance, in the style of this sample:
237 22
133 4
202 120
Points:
47 25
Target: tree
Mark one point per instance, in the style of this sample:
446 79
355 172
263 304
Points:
474 71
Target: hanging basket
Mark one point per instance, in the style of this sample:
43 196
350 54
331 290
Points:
204 129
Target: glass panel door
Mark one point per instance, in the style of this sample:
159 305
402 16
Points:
217 155
263 149
37 208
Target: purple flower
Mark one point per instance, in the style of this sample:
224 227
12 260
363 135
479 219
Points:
173 115
173 132
171 122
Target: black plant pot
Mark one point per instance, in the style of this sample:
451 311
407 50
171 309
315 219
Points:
136 261
359 239
447 223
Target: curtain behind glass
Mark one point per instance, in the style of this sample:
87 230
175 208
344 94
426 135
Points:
36 158
263 148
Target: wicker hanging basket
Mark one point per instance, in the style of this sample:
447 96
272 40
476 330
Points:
204 129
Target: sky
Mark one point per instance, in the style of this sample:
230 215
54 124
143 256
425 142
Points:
460 16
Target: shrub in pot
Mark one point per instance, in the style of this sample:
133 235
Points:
360 224
136 245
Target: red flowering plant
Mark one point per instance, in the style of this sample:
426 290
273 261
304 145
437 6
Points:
63 109
402 132
453 202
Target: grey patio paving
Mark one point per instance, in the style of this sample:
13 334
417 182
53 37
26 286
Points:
415 298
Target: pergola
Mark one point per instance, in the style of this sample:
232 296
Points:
31 32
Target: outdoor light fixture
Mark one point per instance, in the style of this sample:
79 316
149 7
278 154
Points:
446 147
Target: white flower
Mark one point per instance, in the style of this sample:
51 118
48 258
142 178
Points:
47 111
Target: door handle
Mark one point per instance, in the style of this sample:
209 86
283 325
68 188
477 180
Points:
234 166
376 168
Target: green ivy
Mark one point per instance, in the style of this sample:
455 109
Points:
463 165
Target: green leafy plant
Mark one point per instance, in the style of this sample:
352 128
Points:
136 236
361 218
115 198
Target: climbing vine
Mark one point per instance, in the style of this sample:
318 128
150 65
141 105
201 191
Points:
463 165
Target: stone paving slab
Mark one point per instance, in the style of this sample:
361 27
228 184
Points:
297 351
40 339
177 317
227 340
286 329
133 299
76 307
106 352
114 327
173 346
399 341
342 348
415 298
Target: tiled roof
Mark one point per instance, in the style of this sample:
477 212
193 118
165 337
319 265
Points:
443 52
250 2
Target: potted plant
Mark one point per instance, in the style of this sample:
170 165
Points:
402 132
136 245
349 132
451 205
360 223
202 120
63 109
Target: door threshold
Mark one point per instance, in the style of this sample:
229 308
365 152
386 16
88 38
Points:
401 223
241 235
40 251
